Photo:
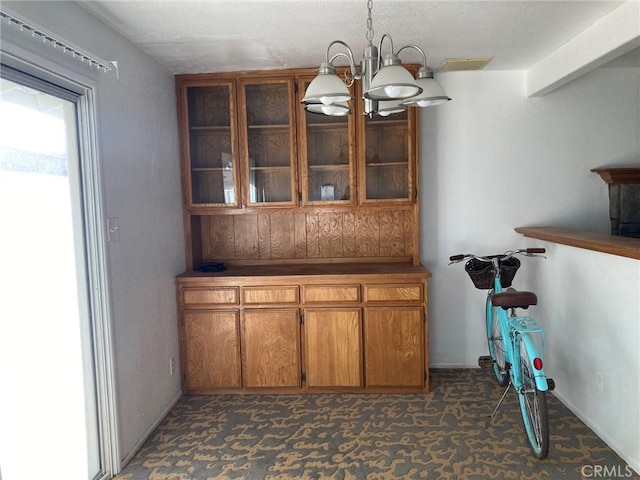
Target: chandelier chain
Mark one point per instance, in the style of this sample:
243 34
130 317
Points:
369 22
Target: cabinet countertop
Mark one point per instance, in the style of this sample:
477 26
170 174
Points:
312 270
612 244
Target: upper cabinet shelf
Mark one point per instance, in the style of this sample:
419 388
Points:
213 128
399 119
325 125
268 127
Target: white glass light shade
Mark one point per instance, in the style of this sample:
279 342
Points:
327 89
432 94
393 82
333 110
389 107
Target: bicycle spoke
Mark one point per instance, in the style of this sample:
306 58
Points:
496 345
532 406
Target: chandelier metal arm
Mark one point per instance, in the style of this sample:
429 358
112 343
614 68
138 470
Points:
352 63
386 35
421 51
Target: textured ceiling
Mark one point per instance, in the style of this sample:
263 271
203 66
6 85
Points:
233 35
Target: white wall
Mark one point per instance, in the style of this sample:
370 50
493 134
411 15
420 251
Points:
138 148
593 339
491 160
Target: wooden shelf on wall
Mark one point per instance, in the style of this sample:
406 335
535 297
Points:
619 175
612 244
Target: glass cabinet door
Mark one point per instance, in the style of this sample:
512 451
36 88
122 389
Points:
212 170
327 153
387 153
268 141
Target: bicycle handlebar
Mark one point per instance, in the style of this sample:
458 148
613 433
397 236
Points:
529 252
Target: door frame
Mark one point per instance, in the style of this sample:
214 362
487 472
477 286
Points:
94 227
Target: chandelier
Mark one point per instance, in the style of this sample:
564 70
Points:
387 87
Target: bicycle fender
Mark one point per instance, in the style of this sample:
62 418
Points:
541 381
539 375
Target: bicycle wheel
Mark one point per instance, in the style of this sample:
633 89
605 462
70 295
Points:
496 347
533 406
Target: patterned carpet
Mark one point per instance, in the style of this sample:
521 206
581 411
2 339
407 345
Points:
442 435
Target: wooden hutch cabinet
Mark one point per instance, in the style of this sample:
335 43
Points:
316 220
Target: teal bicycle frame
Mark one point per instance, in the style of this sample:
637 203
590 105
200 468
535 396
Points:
520 330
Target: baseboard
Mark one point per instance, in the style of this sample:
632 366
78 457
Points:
632 462
144 438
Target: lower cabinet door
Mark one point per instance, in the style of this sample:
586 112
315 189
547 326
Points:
394 347
271 348
333 347
211 350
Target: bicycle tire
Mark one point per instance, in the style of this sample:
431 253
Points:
496 346
533 406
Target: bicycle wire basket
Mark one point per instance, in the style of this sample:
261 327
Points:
482 274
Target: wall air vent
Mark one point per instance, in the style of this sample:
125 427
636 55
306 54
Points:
464 63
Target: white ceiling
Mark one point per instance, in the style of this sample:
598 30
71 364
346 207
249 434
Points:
234 35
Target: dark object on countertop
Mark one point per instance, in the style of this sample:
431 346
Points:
211 267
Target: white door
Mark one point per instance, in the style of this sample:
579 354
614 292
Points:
48 409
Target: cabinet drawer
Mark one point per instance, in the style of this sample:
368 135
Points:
210 296
331 293
393 293
266 295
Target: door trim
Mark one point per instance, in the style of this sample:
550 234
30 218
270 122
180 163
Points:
95 238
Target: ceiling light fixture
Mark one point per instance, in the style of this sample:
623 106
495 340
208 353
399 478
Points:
387 87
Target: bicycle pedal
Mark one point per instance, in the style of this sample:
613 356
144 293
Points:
485 361
551 384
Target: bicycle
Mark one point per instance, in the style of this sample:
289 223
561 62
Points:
516 342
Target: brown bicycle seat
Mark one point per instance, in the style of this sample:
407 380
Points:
514 299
